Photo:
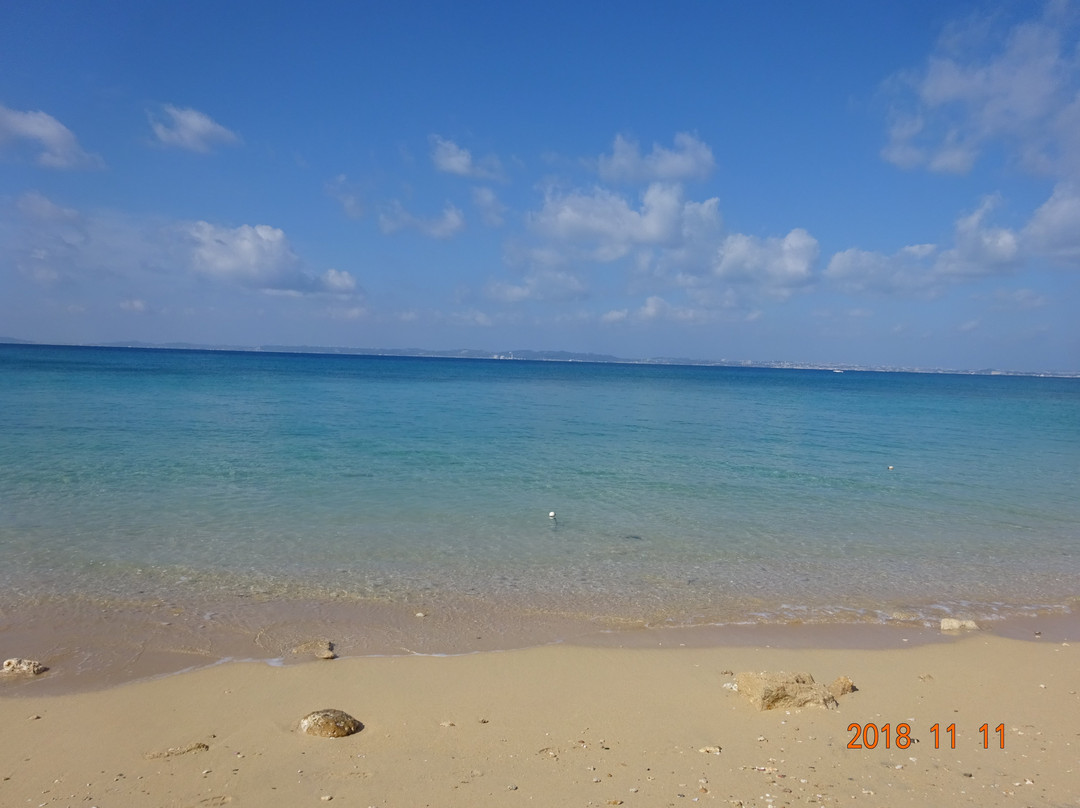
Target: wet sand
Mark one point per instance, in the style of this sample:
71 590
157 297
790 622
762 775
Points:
574 724
92 643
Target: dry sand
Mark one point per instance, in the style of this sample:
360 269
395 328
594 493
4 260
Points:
563 726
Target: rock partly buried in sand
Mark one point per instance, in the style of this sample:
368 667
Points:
174 751
781 690
841 686
30 667
952 624
323 649
329 724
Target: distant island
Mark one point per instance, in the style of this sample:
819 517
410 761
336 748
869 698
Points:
543 356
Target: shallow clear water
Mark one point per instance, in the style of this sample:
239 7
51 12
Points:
684 494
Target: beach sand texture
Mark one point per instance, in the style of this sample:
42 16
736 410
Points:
564 725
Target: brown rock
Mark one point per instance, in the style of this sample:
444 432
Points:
323 649
841 686
781 690
329 724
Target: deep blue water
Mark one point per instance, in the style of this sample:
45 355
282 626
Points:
683 493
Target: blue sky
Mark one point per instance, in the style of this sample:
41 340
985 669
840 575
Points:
873 183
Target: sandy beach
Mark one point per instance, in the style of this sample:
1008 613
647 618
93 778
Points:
571 725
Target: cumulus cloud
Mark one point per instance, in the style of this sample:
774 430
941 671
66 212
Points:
451 158
978 250
1054 229
907 270
144 265
777 265
192 130
615 316
56 145
339 281
258 257
1020 87
656 309
691 159
606 225
395 218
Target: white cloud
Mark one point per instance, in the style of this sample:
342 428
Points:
662 243
395 218
777 265
113 264
39 207
58 146
491 209
979 249
258 257
192 130
657 308
615 316
691 159
451 158
606 224
548 285
336 280
1054 229
908 270
1020 87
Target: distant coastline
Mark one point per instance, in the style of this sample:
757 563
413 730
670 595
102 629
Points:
544 356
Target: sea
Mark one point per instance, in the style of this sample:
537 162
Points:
271 497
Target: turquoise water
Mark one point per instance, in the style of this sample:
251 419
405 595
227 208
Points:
683 494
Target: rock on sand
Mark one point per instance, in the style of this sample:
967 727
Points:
329 724
952 624
781 690
28 666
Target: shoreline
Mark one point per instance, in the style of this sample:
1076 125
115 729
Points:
568 725
89 649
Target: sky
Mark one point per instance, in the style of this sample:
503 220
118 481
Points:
888 183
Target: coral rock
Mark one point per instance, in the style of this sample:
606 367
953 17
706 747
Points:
952 624
323 649
29 666
772 691
329 724
841 686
